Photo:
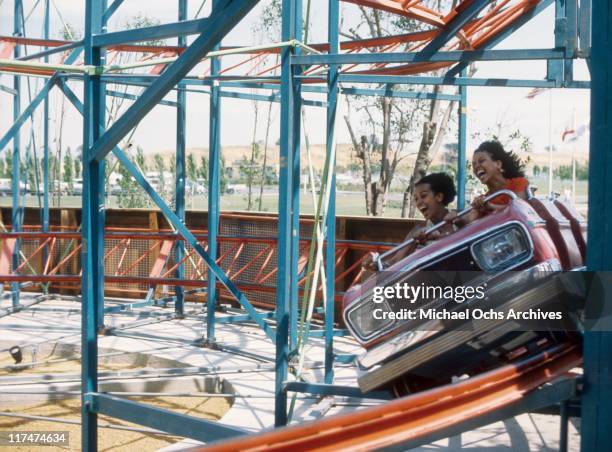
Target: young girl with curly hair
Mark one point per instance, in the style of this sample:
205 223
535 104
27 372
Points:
498 169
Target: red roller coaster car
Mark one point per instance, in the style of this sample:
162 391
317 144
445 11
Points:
516 253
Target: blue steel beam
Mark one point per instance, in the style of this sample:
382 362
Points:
596 433
214 190
555 69
455 81
179 226
295 179
20 120
161 419
31 108
285 211
223 19
45 53
110 11
275 97
414 57
16 214
454 26
154 33
333 32
8 89
541 6
92 279
143 80
356 78
179 192
45 215
584 28
335 390
167 103
389 92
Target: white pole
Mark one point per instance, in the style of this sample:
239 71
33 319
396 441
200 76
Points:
575 138
550 148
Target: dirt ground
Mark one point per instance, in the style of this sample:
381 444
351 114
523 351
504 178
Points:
63 365
109 439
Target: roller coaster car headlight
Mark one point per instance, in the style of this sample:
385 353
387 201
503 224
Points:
365 322
503 250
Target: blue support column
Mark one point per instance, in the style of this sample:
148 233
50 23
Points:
597 398
295 188
92 230
45 215
16 210
180 172
100 103
285 222
556 68
214 191
461 145
330 250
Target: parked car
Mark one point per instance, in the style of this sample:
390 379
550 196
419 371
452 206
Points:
5 187
514 256
77 187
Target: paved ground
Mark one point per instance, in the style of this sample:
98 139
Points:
246 362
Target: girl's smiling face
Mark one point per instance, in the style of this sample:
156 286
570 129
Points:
429 203
487 170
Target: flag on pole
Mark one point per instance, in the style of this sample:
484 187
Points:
571 134
534 92
568 132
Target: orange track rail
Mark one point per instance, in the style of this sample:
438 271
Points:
419 415
474 35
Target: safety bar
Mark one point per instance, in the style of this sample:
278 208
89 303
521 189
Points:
379 259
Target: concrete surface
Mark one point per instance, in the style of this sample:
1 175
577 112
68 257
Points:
245 361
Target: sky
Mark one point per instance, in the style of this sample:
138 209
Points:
539 119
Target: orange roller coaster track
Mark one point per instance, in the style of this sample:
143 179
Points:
405 421
476 34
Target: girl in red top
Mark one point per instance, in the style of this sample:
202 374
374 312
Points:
498 170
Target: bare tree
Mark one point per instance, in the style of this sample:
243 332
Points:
390 124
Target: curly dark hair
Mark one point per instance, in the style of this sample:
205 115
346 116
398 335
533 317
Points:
440 183
512 166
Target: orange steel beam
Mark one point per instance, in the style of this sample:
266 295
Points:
474 35
34 253
416 416
50 253
66 259
126 246
141 258
159 272
395 7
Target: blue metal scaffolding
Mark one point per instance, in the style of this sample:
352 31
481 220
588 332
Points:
572 40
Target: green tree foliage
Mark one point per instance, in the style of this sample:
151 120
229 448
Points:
192 172
140 159
564 172
77 168
68 168
202 172
203 169
8 164
160 167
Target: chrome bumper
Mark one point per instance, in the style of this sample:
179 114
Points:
407 339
